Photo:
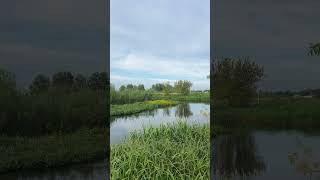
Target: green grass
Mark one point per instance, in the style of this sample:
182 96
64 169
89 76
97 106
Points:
52 151
295 114
168 152
192 97
127 109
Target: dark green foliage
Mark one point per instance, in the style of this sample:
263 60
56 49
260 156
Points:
141 87
129 86
51 109
314 49
62 80
158 87
272 114
54 150
80 82
235 80
98 81
40 84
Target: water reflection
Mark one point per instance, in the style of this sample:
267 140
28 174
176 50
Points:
237 155
183 111
166 112
120 127
90 171
304 159
264 155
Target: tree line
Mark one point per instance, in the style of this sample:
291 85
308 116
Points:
180 86
61 103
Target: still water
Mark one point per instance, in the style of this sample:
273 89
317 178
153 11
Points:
267 155
191 112
119 129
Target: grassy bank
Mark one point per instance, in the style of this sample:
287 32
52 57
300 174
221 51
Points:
298 114
127 109
192 97
51 151
169 152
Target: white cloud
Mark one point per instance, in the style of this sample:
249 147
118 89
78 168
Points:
189 68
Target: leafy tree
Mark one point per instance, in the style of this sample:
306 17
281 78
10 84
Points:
40 84
235 80
314 49
183 87
62 80
167 88
129 86
141 87
122 88
98 81
157 87
80 81
7 79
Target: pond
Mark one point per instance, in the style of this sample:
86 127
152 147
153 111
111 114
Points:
119 129
263 155
191 112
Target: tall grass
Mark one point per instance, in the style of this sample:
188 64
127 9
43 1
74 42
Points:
53 112
129 96
172 151
53 150
127 109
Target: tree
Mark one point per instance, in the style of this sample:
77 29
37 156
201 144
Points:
80 82
98 81
130 86
183 87
157 87
7 79
122 88
167 88
314 49
141 87
40 84
235 80
62 80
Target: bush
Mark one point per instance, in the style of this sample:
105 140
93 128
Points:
235 80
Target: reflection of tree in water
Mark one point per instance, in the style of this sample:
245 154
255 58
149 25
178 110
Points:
183 111
236 155
166 112
305 160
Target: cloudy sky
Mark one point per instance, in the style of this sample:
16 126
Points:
157 41
48 36
275 34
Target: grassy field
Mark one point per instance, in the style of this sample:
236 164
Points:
127 109
169 152
51 151
289 113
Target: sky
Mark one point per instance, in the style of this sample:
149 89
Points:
158 41
275 34
48 36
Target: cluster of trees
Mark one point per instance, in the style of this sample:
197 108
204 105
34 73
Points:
181 86
139 87
61 104
235 80
68 81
